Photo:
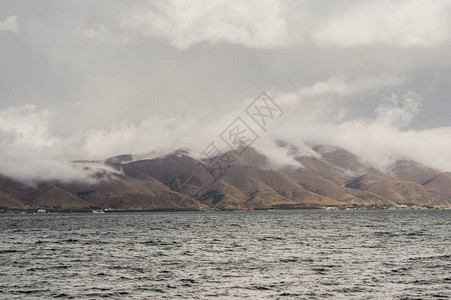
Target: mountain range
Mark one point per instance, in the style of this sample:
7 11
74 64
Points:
329 178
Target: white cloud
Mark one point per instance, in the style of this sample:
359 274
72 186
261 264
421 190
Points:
9 24
101 32
399 112
29 152
29 127
340 86
409 23
255 23
320 100
379 141
132 99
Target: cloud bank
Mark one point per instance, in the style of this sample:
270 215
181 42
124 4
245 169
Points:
184 23
149 77
269 23
412 23
29 151
9 24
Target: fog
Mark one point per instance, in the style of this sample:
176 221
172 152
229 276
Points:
91 80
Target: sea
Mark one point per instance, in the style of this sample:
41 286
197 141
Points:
310 254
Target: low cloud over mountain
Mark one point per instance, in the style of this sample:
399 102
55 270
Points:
372 78
331 176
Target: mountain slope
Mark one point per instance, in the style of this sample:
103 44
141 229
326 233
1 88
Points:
409 170
124 192
14 194
441 183
399 192
329 176
53 197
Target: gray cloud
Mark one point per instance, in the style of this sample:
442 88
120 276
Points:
89 80
9 24
412 23
184 23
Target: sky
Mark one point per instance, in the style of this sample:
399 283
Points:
94 79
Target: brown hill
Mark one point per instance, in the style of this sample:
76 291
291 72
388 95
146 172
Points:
124 192
52 197
331 177
410 170
14 194
343 159
399 192
441 183
246 187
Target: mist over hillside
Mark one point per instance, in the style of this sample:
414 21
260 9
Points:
234 180
149 78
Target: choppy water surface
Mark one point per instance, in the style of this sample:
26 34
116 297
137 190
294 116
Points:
282 255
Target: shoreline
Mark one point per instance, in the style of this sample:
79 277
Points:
46 211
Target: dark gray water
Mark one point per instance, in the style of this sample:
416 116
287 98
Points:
281 255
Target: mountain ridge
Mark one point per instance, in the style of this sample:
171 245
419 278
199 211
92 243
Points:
333 177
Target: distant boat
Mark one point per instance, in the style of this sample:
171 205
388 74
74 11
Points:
98 211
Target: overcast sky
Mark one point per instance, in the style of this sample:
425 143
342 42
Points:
93 79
